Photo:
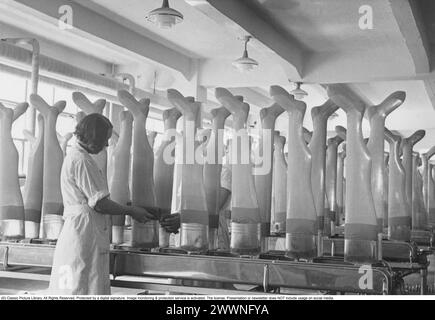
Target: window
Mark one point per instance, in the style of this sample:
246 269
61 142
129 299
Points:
65 94
14 90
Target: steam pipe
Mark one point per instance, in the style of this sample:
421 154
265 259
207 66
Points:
31 114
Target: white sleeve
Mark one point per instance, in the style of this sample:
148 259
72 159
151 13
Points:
226 177
90 181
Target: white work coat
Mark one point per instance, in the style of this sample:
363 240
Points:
81 258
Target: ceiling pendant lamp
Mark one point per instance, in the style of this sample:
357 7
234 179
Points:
298 93
165 17
245 63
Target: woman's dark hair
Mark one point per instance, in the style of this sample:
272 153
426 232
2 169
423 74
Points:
93 130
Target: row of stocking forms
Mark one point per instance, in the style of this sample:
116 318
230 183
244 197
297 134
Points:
36 212
382 191
304 220
403 212
308 202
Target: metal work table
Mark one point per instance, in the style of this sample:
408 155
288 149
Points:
271 274
404 258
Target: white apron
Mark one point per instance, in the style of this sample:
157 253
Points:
81 258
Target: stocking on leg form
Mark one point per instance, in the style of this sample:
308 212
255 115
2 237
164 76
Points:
52 203
407 161
279 195
377 115
119 181
419 216
317 147
11 200
164 168
144 235
34 182
399 213
193 203
263 174
212 172
331 179
301 228
340 186
361 227
245 215
428 186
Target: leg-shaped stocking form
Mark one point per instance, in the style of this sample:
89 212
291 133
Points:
407 162
52 204
164 167
317 147
331 182
263 174
399 213
144 235
120 173
212 171
377 115
428 187
361 224
11 200
245 215
34 182
193 203
301 228
279 195
419 216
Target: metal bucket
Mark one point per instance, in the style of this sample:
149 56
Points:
51 226
245 238
360 251
31 229
117 234
163 238
145 235
12 229
300 246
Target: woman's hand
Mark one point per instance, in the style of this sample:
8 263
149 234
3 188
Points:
171 223
158 213
141 215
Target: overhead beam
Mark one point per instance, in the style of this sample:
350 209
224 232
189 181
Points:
100 29
430 89
240 20
252 97
410 23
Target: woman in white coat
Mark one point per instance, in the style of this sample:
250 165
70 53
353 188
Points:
81 258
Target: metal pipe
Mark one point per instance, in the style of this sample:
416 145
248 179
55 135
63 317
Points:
266 278
31 114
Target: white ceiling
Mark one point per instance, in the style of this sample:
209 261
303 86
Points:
331 25
198 36
325 34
